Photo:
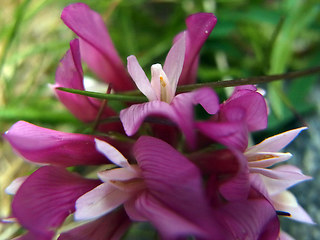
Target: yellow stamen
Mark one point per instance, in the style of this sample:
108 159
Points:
162 81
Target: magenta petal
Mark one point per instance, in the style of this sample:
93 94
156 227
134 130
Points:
169 223
254 106
112 227
46 146
132 211
238 186
230 134
207 98
183 105
254 218
96 46
69 74
177 184
199 27
228 171
133 116
47 197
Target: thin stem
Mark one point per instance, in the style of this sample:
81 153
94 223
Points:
250 80
116 97
103 104
135 96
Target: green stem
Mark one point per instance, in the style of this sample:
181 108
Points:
250 80
135 96
116 97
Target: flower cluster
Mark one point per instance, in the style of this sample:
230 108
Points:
186 176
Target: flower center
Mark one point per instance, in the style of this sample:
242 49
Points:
162 82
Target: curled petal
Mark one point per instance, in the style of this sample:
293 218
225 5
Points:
47 197
207 98
133 116
277 142
183 105
96 46
254 106
46 146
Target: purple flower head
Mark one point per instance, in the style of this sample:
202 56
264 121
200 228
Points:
96 49
161 95
163 187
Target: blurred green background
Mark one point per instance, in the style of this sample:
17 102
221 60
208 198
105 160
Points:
251 38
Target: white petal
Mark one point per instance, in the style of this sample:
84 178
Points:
275 143
99 201
140 78
174 61
287 202
15 185
275 186
111 153
283 173
266 159
161 84
119 174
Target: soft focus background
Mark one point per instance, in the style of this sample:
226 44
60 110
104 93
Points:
251 38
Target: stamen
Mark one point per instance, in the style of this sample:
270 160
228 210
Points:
282 213
163 83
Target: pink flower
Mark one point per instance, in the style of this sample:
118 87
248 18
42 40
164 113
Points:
163 187
161 94
96 49
44 199
276 180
